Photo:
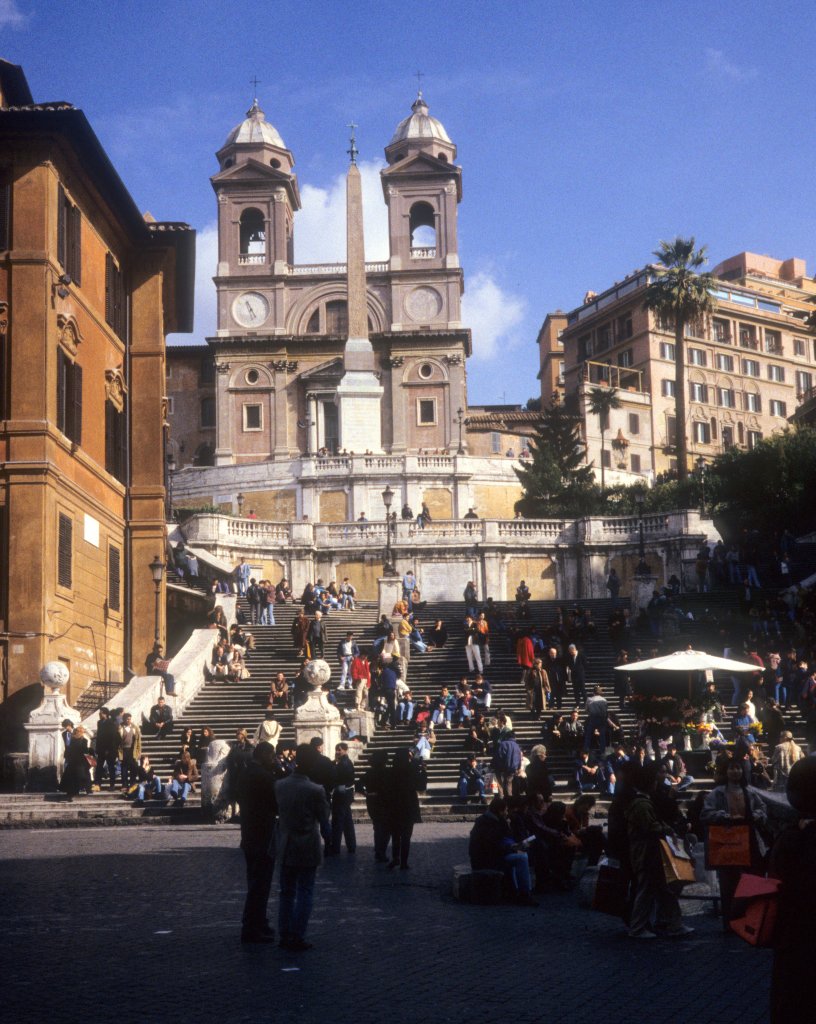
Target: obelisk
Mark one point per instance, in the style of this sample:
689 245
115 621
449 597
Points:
359 393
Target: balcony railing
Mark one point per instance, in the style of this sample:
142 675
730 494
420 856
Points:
423 252
251 259
308 269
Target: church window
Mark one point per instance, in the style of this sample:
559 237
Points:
207 412
426 412
426 371
274 162
252 376
253 233
422 222
313 326
337 317
443 157
253 417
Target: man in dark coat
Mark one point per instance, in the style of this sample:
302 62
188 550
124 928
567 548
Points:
321 771
316 635
161 718
107 747
342 823
492 848
259 809
557 674
576 667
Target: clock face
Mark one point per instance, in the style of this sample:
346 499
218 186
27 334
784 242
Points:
250 309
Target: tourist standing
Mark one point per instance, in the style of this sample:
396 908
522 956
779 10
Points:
259 810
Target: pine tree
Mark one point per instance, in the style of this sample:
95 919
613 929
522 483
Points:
556 479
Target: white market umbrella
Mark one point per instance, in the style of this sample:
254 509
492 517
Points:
688 661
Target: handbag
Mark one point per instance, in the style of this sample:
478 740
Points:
760 908
90 760
728 846
677 865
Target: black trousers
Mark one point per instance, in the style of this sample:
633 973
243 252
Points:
108 759
128 768
342 823
401 842
259 870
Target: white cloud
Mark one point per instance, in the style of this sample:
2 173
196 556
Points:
719 64
11 16
205 311
493 315
320 226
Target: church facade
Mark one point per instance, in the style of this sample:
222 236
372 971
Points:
275 423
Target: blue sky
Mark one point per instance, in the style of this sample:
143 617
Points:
586 131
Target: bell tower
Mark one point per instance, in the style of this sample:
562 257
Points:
258 195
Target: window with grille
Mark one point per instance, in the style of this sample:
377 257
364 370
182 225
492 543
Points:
115 305
69 397
115 442
69 237
65 551
114 579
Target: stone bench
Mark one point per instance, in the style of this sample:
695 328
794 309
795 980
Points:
481 887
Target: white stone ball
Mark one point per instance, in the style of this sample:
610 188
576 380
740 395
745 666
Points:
317 673
55 675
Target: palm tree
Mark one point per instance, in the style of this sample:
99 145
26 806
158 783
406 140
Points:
679 295
601 403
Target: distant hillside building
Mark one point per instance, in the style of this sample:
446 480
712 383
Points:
88 289
749 366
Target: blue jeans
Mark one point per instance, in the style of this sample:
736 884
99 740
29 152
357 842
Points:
467 788
781 694
155 788
179 790
296 898
517 869
405 711
439 714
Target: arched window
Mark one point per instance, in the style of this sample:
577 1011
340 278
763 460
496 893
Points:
423 229
253 233
204 456
313 326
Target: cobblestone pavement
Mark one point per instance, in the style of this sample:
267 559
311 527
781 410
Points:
114 926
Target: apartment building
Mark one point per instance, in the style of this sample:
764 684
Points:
748 366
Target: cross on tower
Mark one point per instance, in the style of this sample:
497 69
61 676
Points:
419 76
254 83
353 150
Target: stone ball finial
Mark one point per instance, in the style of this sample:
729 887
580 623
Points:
54 675
317 673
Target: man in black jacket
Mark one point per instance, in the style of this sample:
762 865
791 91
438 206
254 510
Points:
107 744
321 771
259 810
577 671
316 635
342 823
491 848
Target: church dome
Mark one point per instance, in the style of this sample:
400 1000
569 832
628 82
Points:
420 125
255 129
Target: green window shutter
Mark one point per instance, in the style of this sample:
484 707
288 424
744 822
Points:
114 586
65 551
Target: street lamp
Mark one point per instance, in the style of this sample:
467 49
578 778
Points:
157 572
642 566
388 498
702 467
460 415
240 499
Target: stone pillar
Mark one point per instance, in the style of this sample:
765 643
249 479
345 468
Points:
317 717
389 591
46 751
311 412
223 417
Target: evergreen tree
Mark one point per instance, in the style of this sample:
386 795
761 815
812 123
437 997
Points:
556 478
